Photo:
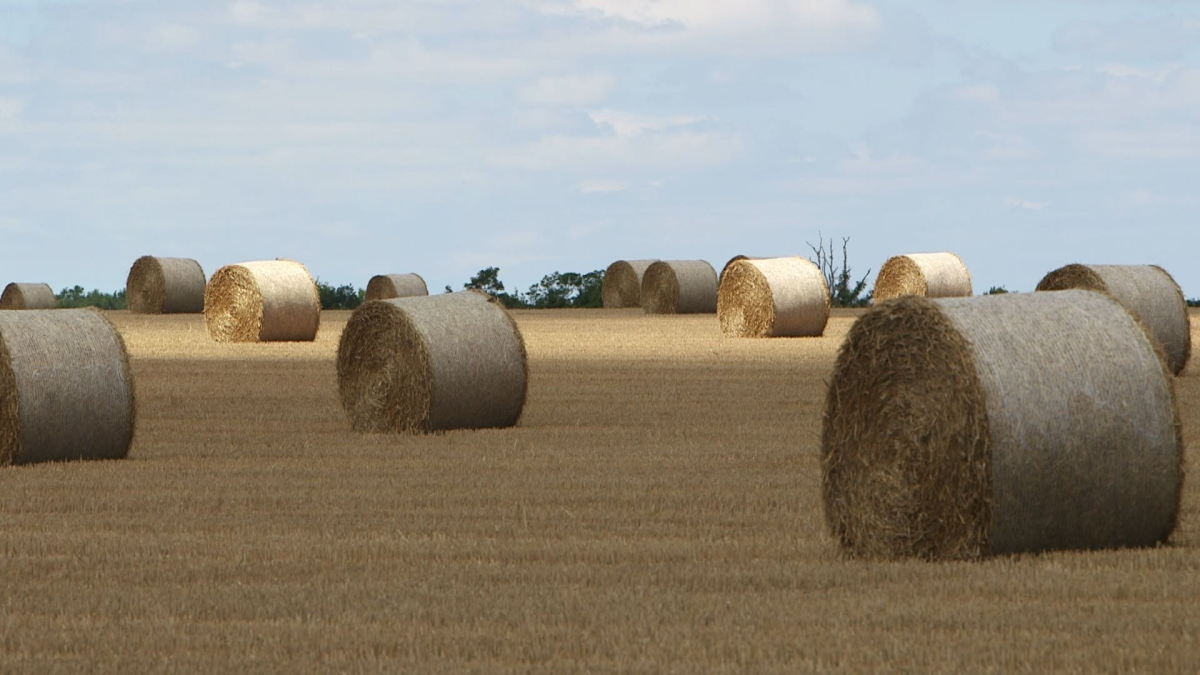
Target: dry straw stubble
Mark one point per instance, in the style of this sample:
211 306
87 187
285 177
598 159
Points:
622 284
66 391
434 363
773 297
931 275
1149 292
962 428
165 286
263 301
28 296
388 286
680 287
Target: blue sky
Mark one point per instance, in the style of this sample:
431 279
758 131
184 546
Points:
444 136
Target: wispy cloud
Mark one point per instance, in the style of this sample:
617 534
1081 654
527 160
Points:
591 187
1025 204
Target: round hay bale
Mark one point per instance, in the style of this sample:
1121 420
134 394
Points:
264 301
930 275
28 296
956 429
737 258
680 287
165 286
1149 293
622 284
66 391
432 363
387 286
773 297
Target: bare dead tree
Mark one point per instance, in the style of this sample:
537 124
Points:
843 291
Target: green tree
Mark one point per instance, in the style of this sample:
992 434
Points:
1193 302
77 297
997 290
345 296
843 290
567 289
488 281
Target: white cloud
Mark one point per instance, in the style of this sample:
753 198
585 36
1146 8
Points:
1024 204
1159 37
10 113
590 187
569 90
806 26
670 150
629 124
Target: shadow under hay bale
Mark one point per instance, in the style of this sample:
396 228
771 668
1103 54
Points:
1149 292
388 286
956 429
773 297
264 301
434 363
28 296
680 287
622 284
66 391
165 286
930 275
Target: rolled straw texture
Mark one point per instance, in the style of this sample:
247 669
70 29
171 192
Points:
165 286
264 301
773 297
680 287
432 363
28 296
930 275
388 286
956 429
65 387
1149 293
622 284
735 259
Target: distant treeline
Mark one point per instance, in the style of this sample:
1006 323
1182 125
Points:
560 289
555 290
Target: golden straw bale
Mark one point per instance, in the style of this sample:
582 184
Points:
737 258
28 296
388 286
1148 291
773 297
622 284
931 275
165 286
66 391
432 363
680 287
962 428
264 301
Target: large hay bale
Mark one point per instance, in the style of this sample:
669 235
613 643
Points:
1149 293
28 296
66 391
930 275
388 286
680 287
264 301
165 286
961 428
773 297
622 284
432 363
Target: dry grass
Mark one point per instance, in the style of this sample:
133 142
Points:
658 509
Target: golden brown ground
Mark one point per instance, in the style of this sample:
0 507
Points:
657 510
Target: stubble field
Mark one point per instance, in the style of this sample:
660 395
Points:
657 509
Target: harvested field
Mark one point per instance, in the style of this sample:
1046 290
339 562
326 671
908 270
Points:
657 509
